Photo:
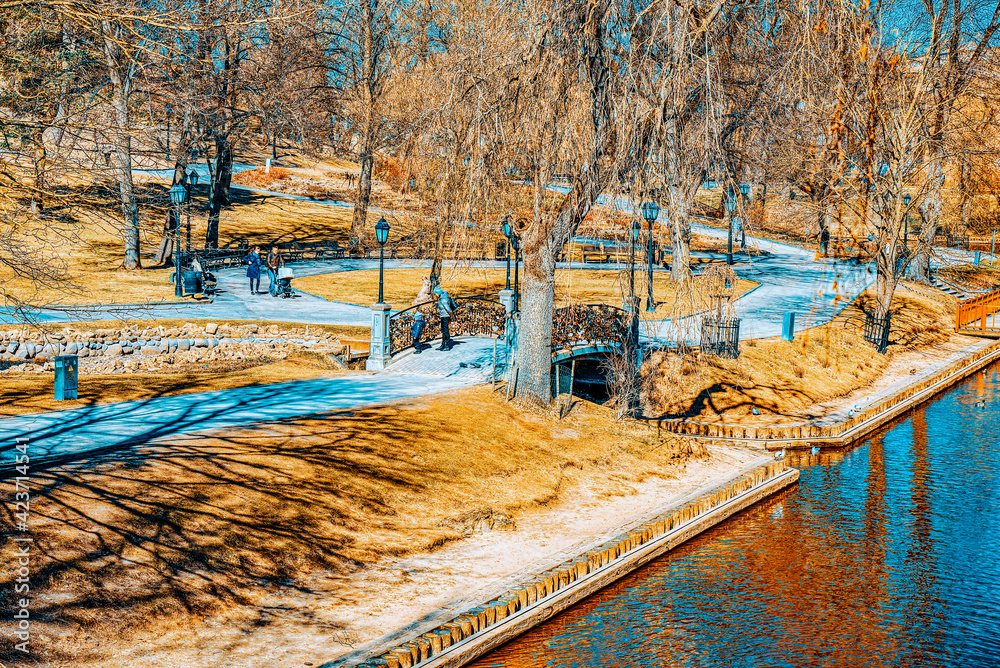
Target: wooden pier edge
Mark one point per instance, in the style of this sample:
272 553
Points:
488 625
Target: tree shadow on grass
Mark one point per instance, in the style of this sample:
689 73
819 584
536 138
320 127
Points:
211 520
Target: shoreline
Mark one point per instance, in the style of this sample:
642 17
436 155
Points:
846 424
462 632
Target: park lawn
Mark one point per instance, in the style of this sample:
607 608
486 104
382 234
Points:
33 393
160 539
785 380
573 286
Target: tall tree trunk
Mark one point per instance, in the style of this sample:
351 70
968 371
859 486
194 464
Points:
367 161
219 195
930 215
679 218
119 72
534 353
172 224
39 164
440 234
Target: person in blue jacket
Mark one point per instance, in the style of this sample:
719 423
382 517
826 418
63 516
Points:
252 260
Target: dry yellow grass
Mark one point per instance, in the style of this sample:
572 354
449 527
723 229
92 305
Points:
32 393
573 286
983 277
153 538
784 379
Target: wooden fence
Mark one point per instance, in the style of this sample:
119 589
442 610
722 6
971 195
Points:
971 315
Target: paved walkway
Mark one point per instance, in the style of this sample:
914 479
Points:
110 427
792 279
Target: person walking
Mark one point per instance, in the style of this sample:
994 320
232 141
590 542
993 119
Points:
446 307
416 330
253 262
274 262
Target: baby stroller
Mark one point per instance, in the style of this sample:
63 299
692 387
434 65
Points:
285 282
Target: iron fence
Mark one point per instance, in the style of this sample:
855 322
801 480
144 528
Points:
474 316
877 331
720 336
589 323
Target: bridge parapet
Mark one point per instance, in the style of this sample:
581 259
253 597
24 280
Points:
473 317
589 325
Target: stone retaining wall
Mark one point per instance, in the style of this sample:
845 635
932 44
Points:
485 626
19 345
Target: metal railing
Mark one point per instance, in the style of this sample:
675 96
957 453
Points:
972 315
720 336
876 331
474 316
589 324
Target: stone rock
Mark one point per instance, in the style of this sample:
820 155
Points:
183 344
12 347
201 343
113 351
149 350
84 352
127 350
211 328
72 348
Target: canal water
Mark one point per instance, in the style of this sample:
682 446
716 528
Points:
887 554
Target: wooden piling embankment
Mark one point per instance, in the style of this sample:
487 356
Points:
842 428
487 625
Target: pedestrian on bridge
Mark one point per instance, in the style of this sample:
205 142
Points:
446 307
416 330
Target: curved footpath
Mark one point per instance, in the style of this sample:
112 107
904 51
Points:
61 435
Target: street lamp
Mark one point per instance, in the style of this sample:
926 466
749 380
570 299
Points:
192 179
505 228
730 206
516 244
381 235
650 210
745 191
906 220
178 195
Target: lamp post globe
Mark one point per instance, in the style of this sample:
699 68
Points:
193 178
744 189
381 235
178 195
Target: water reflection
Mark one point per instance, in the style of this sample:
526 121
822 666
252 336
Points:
884 555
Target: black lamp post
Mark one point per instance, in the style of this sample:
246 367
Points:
505 228
906 221
178 195
730 206
745 191
381 235
515 242
192 179
650 210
